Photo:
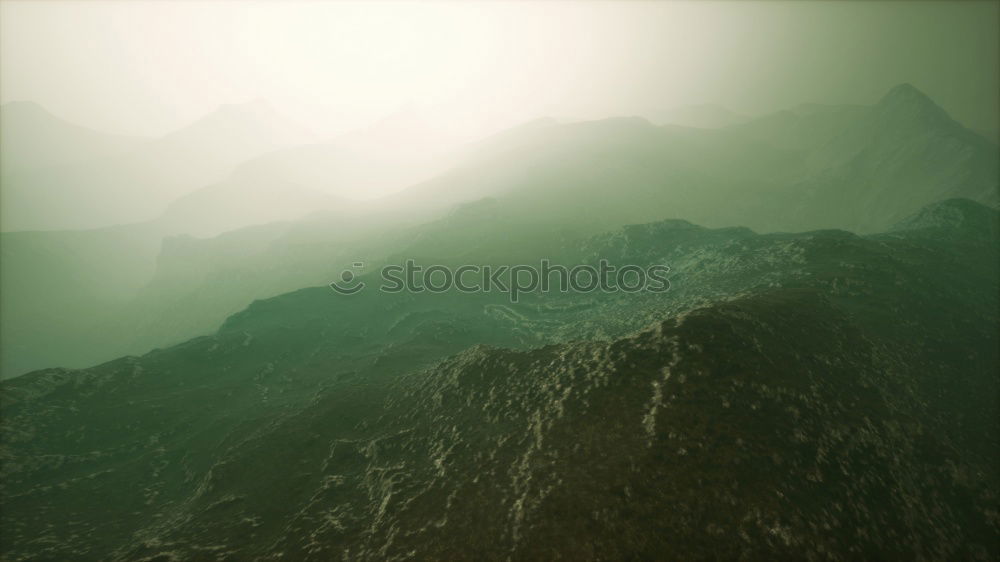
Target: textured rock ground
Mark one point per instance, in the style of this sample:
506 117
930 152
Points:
817 395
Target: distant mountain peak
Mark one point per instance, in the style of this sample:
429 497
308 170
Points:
33 138
905 100
257 117
904 89
906 93
24 105
32 112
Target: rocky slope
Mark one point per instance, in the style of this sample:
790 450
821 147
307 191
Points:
817 395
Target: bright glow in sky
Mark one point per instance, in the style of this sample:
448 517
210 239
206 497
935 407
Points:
147 67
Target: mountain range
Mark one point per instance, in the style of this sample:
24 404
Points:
702 116
818 394
131 179
819 381
859 168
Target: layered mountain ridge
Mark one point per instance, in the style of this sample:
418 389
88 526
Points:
859 168
137 181
820 394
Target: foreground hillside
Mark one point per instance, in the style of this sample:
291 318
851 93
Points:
818 395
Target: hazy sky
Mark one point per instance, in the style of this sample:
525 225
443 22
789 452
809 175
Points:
148 67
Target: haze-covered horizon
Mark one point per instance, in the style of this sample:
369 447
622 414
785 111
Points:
148 68
695 115
119 113
59 175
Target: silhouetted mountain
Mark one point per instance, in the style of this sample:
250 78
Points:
904 107
861 168
254 127
137 184
31 137
817 394
877 165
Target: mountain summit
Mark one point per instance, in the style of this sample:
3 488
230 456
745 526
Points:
905 105
32 137
906 92
256 121
58 170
